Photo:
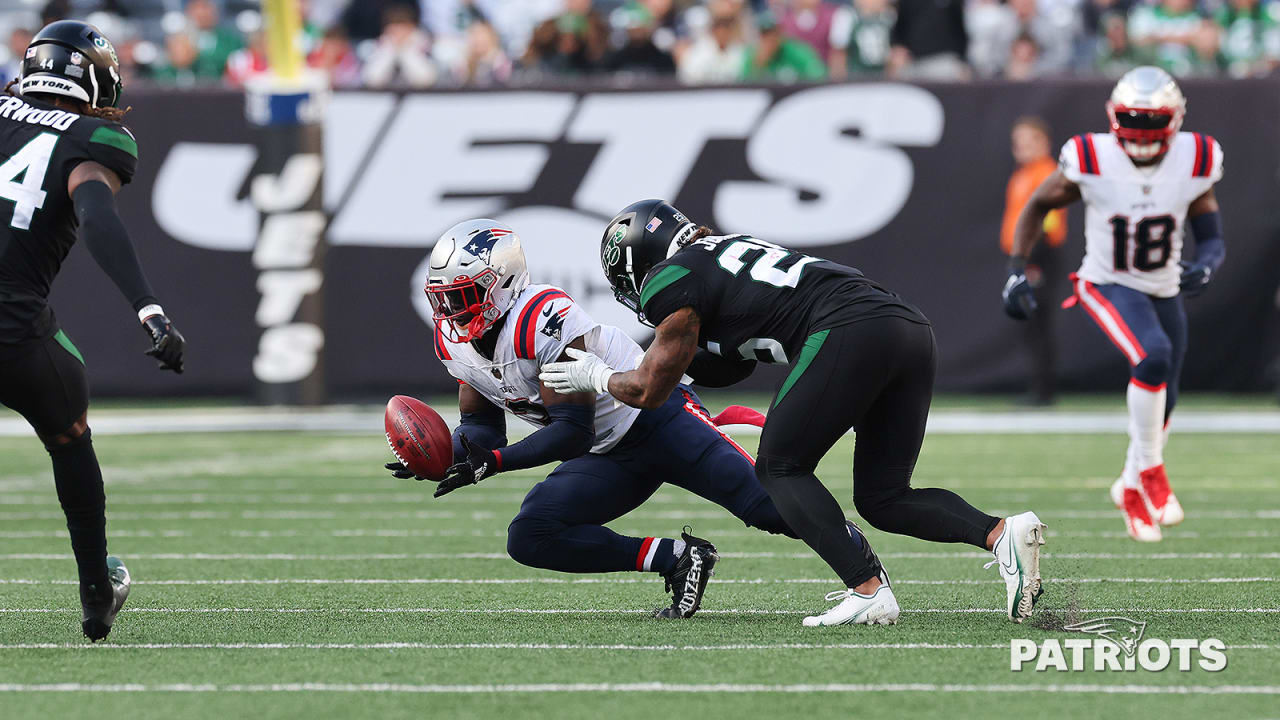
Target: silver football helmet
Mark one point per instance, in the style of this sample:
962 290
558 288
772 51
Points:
476 271
1145 111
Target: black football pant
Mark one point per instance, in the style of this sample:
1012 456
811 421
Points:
47 386
875 376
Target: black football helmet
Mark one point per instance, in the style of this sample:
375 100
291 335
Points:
644 234
72 59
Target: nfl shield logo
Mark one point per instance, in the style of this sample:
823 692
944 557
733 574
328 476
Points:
31 52
76 58
653 224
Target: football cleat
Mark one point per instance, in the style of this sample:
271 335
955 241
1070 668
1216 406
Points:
878 608
687 581
1137 517
102 605
1017 552
1117 493
1165 508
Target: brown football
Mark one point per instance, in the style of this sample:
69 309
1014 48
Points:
418 437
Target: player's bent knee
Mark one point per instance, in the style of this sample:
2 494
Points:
525 539
73 437
1155 367
876 508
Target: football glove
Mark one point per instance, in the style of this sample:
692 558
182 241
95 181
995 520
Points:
1019 300
478 465
585 373
167 344
1195 278
398 470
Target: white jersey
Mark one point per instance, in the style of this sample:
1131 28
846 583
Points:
1135 218
538 328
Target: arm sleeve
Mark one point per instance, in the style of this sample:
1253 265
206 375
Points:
670 287
711 370
570 433
103 233
1211 250
487 428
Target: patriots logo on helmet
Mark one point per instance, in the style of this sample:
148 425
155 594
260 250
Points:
555 322
481 245
1122 632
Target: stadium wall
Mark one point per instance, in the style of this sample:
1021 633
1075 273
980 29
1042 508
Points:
905 182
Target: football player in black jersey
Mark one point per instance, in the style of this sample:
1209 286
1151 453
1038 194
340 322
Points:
65 154
860 358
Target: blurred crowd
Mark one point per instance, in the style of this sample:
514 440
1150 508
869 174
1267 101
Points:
424 43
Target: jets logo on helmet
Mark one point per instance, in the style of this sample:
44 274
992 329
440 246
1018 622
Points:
641 236
1146 110
476 270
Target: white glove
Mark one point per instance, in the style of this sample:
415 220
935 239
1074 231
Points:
586 373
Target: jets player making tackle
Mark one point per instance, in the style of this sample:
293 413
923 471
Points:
65 155
860 358
1142 184
494 331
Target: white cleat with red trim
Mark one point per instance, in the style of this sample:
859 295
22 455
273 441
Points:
1165 508
1117 493
1137 518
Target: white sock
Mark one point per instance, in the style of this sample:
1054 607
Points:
1130 472
677 547
1146 424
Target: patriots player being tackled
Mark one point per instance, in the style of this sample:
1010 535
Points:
65 156
494 331
1143 184
860 357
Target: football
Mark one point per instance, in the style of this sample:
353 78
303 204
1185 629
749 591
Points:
418 437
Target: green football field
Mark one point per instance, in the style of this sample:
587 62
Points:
285 575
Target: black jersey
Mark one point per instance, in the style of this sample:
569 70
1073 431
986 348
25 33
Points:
39 147
759 301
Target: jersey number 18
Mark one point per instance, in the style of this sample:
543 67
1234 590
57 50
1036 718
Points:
1152 240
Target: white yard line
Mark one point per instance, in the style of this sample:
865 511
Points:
340 419
644 581
390 557
1020 688
600 611
528 646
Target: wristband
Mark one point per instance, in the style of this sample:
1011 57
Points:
149 311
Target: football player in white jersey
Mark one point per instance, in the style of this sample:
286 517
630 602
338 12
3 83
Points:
1143 184
493 332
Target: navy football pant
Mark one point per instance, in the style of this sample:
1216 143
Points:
875 376
47 386
1151 332
560 525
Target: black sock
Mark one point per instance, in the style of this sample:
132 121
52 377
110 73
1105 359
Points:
79 482
815 515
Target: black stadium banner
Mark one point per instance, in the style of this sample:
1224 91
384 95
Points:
906 182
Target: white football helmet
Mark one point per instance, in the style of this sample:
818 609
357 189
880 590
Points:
476 271
1145 111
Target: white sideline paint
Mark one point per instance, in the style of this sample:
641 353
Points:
364 419
640 581
653 687
977 555
598 611
93 647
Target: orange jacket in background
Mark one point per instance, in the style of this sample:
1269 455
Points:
1022 184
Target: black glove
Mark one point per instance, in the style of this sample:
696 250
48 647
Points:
478 465
1019 300
1195 278
167 344
400 471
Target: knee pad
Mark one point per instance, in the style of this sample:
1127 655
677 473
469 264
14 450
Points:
1154 368
772 470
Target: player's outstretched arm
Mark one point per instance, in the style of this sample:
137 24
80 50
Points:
646 387
1055 192
1211 250
92 187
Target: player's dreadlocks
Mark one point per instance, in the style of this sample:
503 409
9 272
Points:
109 114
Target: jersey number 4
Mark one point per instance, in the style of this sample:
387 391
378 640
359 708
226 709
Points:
27 194
1152 241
